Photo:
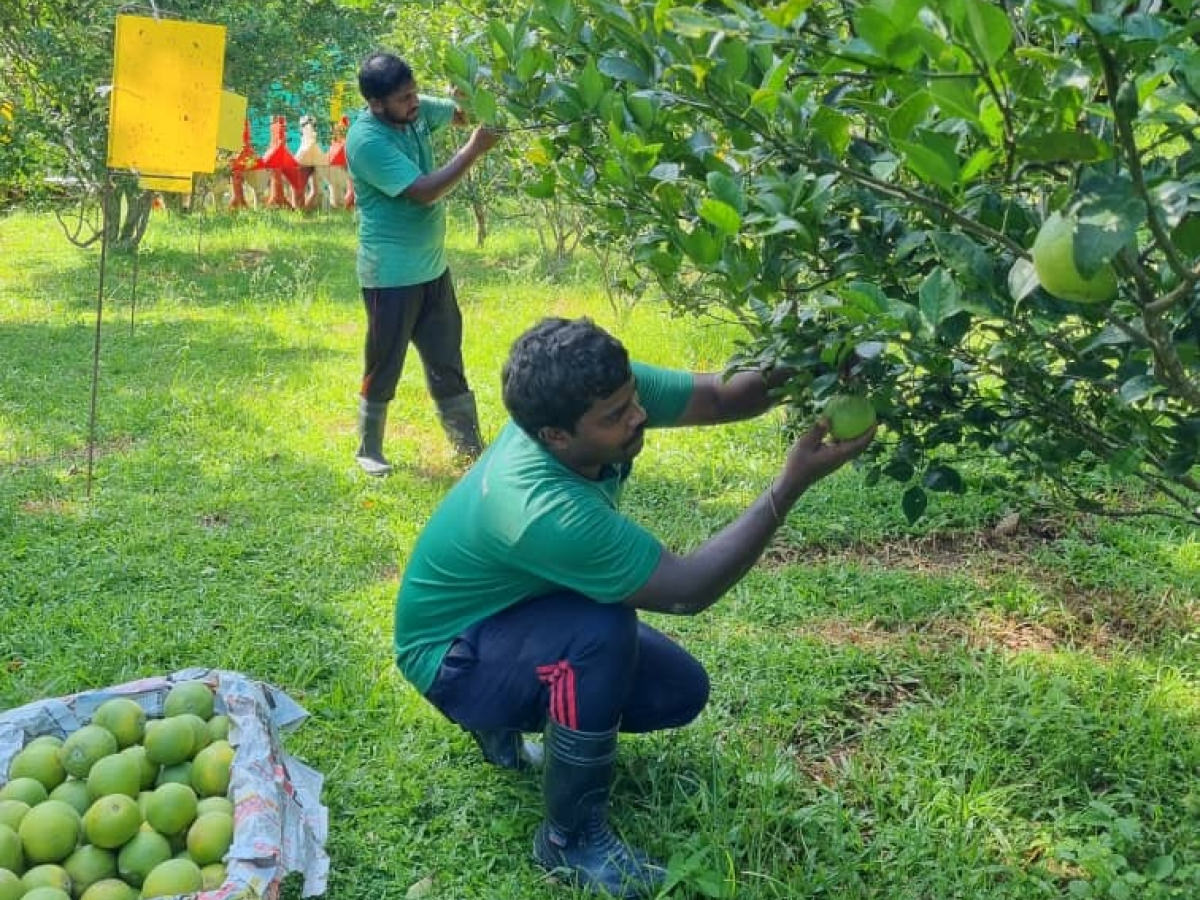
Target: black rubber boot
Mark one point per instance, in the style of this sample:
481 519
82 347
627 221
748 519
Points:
460 420
372 423
508 749
575 841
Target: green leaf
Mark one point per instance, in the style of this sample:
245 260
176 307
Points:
591 85
692 23
940 296
834 128
1161 867
965 258
503 37
665 172
540 188
726 189
1022 280
483 104
700 246
766 97
663 263
1108 213
932 161
978 164
456 63
1066 146
1187 236
898 469
1172 198
1137 388
944 479
787 13
721 215
621 69
913 503
989 29
956 97
909 114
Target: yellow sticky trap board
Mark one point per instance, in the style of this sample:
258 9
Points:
166 95
171 183
343 96
233 117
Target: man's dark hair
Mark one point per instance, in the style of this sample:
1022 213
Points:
382 74
557 369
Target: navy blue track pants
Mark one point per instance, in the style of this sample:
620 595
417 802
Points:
589 666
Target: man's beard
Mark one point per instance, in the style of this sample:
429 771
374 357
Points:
396 120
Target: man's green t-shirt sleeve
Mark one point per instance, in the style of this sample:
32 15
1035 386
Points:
588 547
377 161
437 111
663 393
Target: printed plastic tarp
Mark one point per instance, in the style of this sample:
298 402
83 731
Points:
280 825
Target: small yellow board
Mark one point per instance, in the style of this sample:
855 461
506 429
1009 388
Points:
233 119
171 183
166 95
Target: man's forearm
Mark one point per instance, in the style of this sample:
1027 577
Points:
743 396
433 187
692 583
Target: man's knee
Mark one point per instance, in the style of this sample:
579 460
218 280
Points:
610 630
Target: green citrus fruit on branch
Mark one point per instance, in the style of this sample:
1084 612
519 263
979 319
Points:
849 415
1054 261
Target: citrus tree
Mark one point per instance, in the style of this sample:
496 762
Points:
983 216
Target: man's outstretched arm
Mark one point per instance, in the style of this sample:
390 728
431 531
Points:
685 585
745 395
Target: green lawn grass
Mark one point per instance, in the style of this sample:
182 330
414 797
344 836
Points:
943 711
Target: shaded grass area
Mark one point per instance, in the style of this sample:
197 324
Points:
975 707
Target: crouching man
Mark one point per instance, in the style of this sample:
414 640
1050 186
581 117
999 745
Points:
518 611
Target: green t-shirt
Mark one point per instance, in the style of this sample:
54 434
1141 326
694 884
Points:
399 242
518 525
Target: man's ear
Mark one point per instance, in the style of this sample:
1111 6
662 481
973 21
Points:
375 105
554 438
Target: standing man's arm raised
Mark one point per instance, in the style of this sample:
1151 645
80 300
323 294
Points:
433 187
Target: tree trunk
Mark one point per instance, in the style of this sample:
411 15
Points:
127 213
481 224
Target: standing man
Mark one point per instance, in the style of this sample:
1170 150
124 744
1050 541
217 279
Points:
518 608
406 283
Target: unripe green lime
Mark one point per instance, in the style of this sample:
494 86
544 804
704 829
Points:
84 747
122 716
40 762
175 876
1053 254
849 415
189 697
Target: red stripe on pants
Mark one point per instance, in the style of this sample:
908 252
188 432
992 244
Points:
561 678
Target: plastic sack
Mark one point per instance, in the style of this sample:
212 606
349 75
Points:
280 826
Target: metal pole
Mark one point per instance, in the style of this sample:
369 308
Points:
91 448
133 297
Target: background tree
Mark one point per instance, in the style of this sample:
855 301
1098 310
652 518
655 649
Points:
56 63
861 183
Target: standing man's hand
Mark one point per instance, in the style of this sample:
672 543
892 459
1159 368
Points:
812 457
482 140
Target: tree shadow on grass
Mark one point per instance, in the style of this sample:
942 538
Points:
147 379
